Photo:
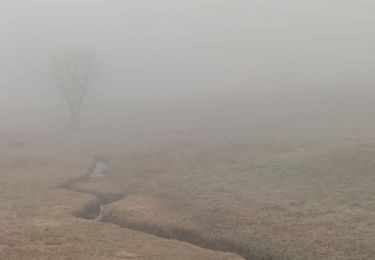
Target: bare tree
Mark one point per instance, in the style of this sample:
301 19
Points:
74 74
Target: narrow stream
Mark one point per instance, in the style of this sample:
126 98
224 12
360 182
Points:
95 211
99 171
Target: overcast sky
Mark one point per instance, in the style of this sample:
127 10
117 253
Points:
198 56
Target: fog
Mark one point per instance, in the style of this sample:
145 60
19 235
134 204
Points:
191 64
187 129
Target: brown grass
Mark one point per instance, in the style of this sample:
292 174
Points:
36 219
299 196
261 195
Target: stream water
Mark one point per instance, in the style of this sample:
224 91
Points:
95 211
99 171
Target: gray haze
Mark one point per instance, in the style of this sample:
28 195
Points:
171 64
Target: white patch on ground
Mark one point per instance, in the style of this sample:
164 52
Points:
99 170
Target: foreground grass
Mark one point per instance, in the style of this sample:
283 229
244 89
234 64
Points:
261 195
306 197
36 220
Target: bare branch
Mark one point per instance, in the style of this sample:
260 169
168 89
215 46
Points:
74 73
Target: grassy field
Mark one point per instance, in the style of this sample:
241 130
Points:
260 194
37 215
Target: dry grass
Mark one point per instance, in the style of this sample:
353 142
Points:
280 195
262 195
36 219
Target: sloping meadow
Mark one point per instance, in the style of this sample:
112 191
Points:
263 196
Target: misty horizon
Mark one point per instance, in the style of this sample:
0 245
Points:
193 63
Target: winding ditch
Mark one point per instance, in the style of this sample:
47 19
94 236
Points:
94 210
